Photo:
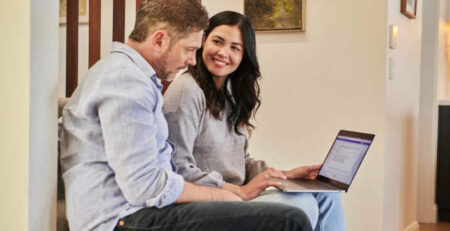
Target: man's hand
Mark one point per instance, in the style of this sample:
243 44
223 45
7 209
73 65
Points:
192 192
258 184
304 172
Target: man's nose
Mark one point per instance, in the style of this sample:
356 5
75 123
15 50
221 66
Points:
191 61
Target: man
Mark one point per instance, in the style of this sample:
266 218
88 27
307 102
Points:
116 159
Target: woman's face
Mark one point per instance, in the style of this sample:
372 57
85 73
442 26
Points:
223 50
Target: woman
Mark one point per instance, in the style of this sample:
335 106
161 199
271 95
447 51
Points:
208 110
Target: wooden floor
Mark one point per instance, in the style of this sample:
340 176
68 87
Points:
441 226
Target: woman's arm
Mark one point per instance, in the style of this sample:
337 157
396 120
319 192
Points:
183 109
304 172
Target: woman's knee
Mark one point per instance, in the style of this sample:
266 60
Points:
307 203
330 199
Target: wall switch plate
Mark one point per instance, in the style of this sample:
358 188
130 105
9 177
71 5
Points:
391 68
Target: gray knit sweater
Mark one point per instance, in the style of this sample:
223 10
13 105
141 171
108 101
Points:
206 151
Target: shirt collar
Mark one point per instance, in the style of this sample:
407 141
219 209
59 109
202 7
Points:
137 58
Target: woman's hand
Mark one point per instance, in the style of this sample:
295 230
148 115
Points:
259 183
304 172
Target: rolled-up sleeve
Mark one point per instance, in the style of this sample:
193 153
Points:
129 127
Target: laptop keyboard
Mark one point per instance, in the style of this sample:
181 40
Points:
312 184
306 184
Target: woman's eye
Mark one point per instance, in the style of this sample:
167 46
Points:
217 42
235 48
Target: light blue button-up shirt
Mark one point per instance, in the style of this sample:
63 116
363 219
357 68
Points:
115 155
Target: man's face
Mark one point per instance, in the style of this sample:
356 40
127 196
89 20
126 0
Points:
179 56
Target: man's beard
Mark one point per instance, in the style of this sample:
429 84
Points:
161 67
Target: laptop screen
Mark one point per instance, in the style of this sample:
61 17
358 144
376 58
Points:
344 158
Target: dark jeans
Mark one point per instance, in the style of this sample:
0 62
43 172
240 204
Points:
217 215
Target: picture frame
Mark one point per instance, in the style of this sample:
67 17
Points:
268 15
409 8
83 11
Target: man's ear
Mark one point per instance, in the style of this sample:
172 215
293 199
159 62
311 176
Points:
160 40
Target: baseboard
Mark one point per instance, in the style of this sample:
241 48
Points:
428 215
412 227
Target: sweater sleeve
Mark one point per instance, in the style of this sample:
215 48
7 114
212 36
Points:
252 167
183 108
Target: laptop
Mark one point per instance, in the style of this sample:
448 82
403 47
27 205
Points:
339 168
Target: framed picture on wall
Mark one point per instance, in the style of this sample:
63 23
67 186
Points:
409 8
269 15
83 11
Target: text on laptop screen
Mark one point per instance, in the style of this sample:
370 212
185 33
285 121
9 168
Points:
344 158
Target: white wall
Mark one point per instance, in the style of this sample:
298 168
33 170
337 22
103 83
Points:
402 115
433 72
316 82
43 119
14 114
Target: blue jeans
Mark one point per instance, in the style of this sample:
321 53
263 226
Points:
324 210
216 215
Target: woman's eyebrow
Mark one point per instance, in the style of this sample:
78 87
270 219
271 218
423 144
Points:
222 39
218 37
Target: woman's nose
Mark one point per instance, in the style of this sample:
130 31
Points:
223 52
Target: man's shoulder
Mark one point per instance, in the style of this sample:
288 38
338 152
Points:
115 69
113 75
114 62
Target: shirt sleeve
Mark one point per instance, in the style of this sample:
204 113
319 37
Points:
252 167
127 117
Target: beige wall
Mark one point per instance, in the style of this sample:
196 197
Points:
28 125
316 82
14 113
402 108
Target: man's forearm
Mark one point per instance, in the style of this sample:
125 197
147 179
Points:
233 188
192 192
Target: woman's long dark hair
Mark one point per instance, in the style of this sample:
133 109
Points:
244 98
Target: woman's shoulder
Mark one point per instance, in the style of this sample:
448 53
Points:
187 82
185 86
184 93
